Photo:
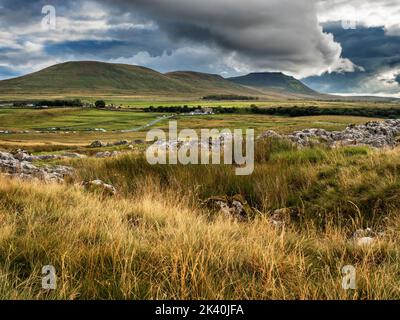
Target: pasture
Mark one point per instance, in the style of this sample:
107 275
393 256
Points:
73 125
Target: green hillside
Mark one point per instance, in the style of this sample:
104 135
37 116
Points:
210 83
87 77
274 81
93 77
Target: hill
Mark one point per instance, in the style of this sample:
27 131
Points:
210 83
89 77
275 82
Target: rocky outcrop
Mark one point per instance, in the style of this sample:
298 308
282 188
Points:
284 216
100 187
120 143
232 207
107 154
374 134
98 144
101 144
23 169
22 155
270 134
366 237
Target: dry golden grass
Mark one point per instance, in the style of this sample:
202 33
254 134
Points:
154 241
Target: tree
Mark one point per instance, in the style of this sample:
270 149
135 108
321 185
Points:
100 104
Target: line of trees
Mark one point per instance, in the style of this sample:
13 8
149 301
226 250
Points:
173 109
316 111
231 97
50 103
286 111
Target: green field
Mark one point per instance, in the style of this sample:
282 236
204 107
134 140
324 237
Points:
72 119
74 122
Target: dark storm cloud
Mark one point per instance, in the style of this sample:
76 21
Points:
373 49
369 47
229 37
84 31
255 34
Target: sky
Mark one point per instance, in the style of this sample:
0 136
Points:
335 46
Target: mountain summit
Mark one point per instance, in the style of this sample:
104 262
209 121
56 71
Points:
274 81
91 77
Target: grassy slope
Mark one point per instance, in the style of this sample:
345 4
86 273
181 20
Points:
210 83
154 241
103 78
274 81
93 77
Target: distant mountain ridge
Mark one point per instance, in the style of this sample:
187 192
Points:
91 77
274 81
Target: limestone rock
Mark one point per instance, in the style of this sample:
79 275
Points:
270 134
365 237
98 144
100 186
234 207
282 217
107 154
375 134
22 169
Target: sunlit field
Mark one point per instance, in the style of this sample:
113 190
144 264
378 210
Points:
74 123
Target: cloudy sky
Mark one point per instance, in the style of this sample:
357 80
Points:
338 46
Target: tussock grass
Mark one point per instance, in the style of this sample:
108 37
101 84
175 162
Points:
155 241
156 247
345 182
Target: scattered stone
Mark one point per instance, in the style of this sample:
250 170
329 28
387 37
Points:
374 134
97 144
284 216
23 169
120 143
107 154
73 156
365 237
269 134
138 142
100 186
100 144
96 129
233 207
365 241
23 155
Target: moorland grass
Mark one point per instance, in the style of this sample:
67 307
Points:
155 240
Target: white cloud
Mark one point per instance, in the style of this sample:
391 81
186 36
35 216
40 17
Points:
193 58
382 83
367 13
